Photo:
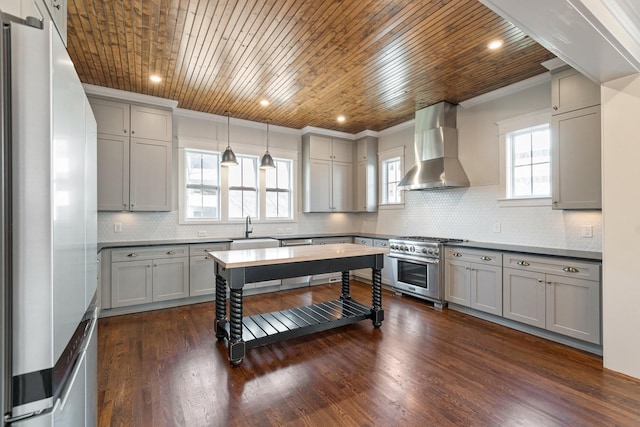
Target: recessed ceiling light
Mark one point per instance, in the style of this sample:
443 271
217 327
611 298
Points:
341 119
496 44
155 79
264 102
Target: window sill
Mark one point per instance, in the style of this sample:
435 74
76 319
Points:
234 221
528 202
391 206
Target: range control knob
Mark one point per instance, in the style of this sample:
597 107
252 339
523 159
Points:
412 249
405 248
430 251
425 250
436 251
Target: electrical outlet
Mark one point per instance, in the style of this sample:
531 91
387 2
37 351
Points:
497 227
202 233
587 231
117 227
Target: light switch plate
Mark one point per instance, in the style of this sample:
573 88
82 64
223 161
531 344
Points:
587 231
117 227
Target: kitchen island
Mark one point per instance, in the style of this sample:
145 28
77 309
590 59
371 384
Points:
237 267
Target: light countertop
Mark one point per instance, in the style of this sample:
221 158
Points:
534 250
284 255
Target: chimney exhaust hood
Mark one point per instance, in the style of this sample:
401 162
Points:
436 147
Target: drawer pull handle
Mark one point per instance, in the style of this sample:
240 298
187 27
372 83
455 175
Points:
523 263
132 255
208 250
540 281
571 270
171 253
486 258
456 254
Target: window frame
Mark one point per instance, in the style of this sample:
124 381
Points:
383 158
198 144
511 166
243 187
278 189
505 127
203 187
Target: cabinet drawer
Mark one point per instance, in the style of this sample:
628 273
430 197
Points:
331 240
559 266
381 243
474 255
203 248
144 253
363 241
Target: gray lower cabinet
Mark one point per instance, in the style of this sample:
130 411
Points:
144 275
364 273
559 295
318 279
202 268
388 271
473 278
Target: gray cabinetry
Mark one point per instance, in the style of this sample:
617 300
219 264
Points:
327 174
560 295
575 142
58 11
202 268
318 279
134 156
363 273
366 180
473 278
144 275
388 271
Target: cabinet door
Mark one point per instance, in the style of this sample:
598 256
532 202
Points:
150 175
131 283
202 276
524 296
361 187
342 187
575 159
457 282
486 288
387 271
151 123
320 188
573 307
342 150
113 172
320 147
571 90
364 273
170 278
58 10
112 117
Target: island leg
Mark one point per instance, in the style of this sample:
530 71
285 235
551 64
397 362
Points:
221 307
236 344
346 292
377 314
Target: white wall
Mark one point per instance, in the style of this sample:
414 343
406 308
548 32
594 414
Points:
621 204
471 213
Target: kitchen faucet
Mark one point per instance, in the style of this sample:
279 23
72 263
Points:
246 227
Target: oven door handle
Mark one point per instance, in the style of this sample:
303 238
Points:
415 260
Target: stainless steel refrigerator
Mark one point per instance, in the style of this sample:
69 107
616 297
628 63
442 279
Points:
48 232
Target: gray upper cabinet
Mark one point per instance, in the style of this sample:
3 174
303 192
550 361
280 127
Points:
58 11
327 174
575 142
134 156
366 182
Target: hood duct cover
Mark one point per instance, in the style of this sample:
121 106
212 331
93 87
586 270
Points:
436 147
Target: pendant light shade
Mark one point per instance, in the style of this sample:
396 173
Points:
267 161
228 157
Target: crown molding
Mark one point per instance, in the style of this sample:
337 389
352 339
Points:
397 128
123 95
327 132
181 112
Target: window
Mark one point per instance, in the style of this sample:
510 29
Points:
391 168
243 188
391 176
202 178
278 190
529 162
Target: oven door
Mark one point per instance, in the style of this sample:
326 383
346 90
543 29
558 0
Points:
420 278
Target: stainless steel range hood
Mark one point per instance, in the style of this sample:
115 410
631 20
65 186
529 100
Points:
436 145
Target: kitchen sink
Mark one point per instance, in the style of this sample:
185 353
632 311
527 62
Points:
254 243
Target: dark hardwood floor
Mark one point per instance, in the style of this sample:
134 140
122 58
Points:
422 368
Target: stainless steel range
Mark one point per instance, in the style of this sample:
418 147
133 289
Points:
418 271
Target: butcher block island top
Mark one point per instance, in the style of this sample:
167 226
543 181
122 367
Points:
285 255
236 267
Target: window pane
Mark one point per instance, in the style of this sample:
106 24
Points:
250 203
521 149
270 178
202 203
235 203
249 177
284 203
522 181
283 174
193 164
541 179
272 204
541 146
235 174
210 172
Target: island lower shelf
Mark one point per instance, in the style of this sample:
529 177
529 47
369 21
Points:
268 328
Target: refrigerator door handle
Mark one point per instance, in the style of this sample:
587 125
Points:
71 381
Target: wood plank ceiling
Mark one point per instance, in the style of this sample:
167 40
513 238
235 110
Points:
373 61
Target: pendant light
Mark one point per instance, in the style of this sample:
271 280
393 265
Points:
267 160
228 157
